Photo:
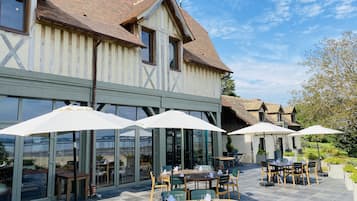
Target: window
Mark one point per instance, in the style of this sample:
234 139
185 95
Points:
293 119
13 14
262 144
147 52
261 116
173 54
294 144
279 117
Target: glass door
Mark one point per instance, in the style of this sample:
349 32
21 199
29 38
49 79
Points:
173 147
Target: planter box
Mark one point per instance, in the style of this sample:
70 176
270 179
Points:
355 192
348 181
259 158
336 171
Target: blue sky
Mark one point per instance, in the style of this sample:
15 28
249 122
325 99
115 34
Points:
264 41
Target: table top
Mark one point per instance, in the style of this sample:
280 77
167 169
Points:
283 164
224 158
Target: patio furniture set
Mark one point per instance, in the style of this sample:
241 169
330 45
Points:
176 185
281 170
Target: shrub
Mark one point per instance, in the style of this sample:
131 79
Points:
335 160
289 153
354 177
350 168
261 152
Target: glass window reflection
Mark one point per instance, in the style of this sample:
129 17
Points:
35 107
64 151
8 108
12 13
7 148
127 156
35 167
105 141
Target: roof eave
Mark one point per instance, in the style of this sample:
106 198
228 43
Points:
50 21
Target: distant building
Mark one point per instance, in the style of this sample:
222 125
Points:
239 113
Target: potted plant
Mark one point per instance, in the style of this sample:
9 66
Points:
354 180
349 170
335 169
261 154
229 146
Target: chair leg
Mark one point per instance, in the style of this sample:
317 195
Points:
317 177
152 194
293 176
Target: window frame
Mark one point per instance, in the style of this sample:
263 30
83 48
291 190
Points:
25 20
152 46
175 41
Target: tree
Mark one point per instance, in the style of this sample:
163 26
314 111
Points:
228 85
329 97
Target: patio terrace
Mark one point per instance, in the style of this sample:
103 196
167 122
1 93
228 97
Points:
328 190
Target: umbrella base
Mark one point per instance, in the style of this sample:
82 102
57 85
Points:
266 184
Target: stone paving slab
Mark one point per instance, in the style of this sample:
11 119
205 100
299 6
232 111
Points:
328 190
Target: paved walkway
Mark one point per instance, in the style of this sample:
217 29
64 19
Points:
328 190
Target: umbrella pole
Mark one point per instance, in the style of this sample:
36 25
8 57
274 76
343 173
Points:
173 156
251 148
318 153
265 147
75 165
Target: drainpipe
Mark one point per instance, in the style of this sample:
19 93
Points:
92 170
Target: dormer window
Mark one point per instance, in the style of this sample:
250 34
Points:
279 118
293 118
148 52
173 54
13 15
261 116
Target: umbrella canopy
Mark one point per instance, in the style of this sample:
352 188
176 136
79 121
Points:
176 119
316 130
68 118
261 129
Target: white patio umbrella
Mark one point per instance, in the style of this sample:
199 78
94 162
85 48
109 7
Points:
68 118
179 120
316 130
261 128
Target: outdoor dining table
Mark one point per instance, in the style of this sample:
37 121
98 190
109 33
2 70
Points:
193 175
283 165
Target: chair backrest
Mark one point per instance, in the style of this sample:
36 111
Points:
178 195
235 172
264 164
223 179
311 164
198 194
297 166
176 180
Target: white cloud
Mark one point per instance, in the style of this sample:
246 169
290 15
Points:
345 9
309 10
280 14
227 28
271 81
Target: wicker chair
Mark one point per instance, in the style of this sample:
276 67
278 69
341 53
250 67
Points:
233 181
164 184
222 186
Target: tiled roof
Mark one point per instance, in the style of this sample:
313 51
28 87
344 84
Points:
106 17
289 109
238 108
252 104
92 16
273 108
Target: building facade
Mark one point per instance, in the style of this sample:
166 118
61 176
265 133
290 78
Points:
130 58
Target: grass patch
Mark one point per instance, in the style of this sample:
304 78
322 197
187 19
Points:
335 160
